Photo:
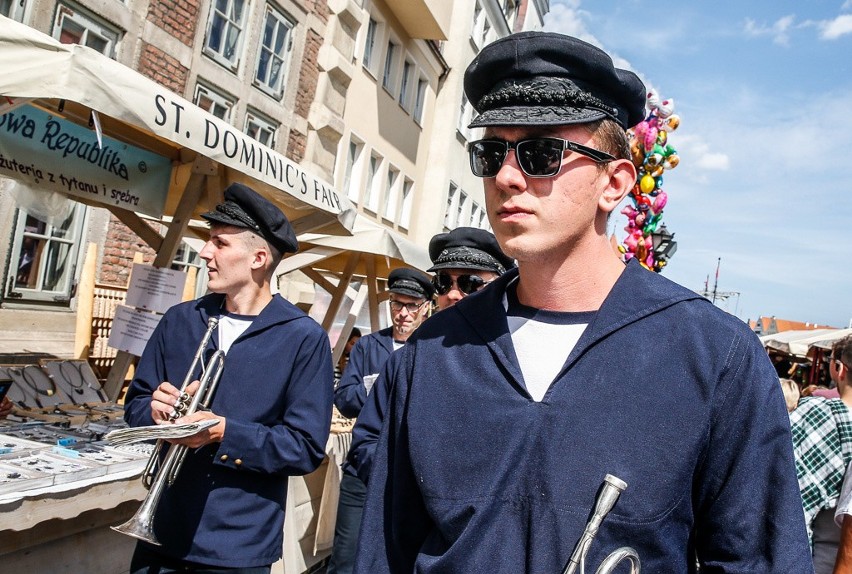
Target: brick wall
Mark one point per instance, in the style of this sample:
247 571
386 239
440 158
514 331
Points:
296 145
177 17
308 78
162 68
308 74
120 246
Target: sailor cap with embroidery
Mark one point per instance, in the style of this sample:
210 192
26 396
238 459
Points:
545 78
244 207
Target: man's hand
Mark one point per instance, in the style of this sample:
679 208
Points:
207 436
163 401
5 407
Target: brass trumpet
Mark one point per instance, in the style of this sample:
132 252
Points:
156 477
606 499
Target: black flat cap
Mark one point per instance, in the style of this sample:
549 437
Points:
411 282
545 78
244 207
468 248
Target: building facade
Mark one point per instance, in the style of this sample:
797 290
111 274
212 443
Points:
366 94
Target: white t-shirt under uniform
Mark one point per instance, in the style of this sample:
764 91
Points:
542 340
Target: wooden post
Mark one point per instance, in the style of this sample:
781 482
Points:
189 286
86 303
199 171
339 293
357 305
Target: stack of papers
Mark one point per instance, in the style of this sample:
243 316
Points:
165 431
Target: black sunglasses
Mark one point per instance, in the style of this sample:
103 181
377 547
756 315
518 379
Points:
412 308
467 283
538 157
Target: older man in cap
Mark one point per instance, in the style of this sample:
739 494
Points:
225 511
410 295
464 261
509 409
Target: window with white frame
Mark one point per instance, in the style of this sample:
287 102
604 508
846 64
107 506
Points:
483 220
74 27
224 32
389 74
420 99
370 43
486 31
405 84
44 257
477 22
13 9
451 214
475 211
260 128
462 218
212 101
391 195
371 194
510 12
353 161
272 58
481 26
187 258
407 200
465 117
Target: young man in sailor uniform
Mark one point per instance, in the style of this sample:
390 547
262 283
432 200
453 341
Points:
508 409
225 511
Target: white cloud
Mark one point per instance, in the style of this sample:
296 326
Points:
847 5
779 30
566 17
833 29
696 153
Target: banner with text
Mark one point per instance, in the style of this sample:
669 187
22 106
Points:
48 152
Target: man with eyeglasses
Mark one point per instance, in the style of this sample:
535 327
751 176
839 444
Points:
841 358
822 444
464 261
508 409
411 293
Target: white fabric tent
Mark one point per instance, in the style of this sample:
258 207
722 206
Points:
76 122
371 253
795 342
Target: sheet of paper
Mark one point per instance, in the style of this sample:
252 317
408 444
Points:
164 431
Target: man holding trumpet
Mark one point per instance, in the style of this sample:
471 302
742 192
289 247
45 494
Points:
509 409
225 510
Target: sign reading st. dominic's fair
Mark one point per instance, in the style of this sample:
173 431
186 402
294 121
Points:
48 152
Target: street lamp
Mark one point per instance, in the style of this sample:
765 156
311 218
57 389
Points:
663 243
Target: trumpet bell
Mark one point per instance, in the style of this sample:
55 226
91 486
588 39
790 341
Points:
140 529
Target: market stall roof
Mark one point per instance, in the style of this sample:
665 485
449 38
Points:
386 247
828 341
142 136
795 342
371 253
76 122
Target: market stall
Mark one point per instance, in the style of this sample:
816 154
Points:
803 352
107 136
335 263
77 123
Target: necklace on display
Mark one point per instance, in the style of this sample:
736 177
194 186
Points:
73 375
28 374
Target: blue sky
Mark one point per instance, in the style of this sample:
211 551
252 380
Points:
764 92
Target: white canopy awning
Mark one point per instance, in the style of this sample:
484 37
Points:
371 253
795 342
76 122
48 92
